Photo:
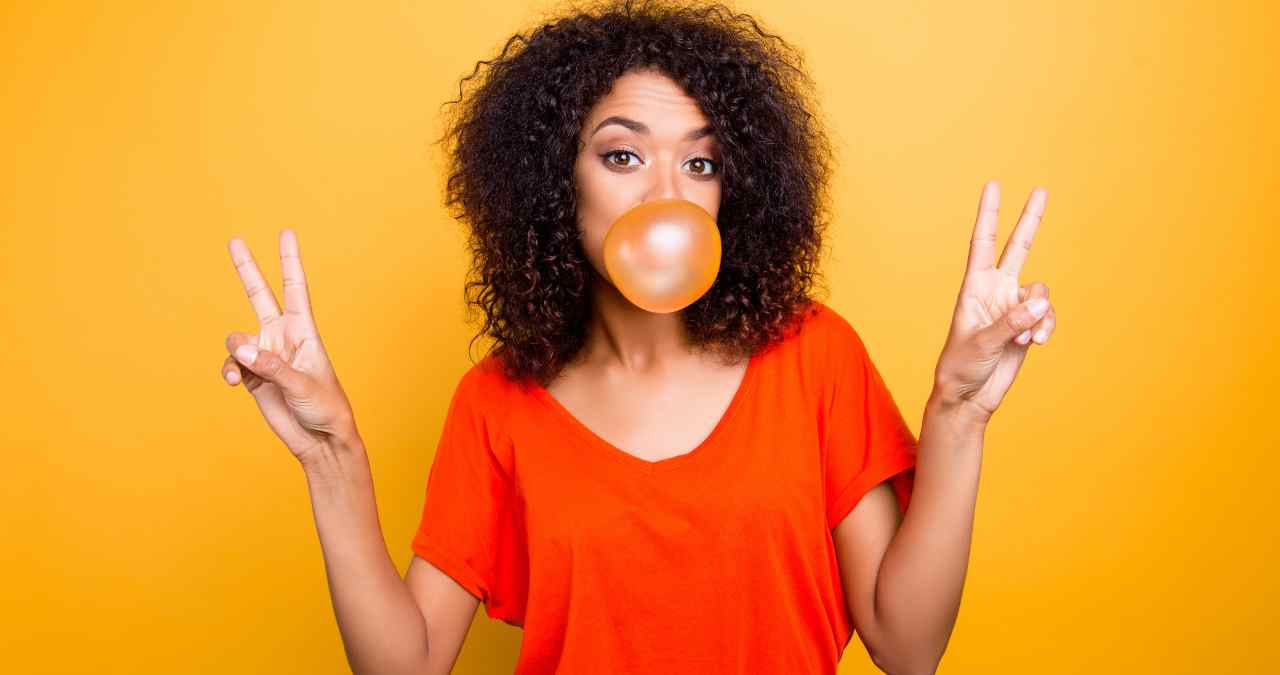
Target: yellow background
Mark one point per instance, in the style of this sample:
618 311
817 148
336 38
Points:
154 524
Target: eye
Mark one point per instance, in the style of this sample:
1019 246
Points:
612 157
703 166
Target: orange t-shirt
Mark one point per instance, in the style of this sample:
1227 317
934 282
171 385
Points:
720 560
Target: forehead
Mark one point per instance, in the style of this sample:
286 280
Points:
649 97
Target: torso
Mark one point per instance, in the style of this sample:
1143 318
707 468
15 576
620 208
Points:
652 419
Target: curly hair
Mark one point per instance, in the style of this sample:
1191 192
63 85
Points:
511 143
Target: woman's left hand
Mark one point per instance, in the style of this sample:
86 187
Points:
996 319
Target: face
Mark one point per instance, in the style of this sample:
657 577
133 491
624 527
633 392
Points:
646 139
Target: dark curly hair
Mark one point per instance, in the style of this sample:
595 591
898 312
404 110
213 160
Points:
512 143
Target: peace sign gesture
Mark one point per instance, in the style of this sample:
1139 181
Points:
284 365
996 319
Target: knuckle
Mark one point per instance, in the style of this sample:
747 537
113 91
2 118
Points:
1013 320
237 338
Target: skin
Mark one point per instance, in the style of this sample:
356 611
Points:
903 576
639 385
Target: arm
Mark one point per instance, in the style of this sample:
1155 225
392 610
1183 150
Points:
448 609
903 574
384 621
903 581
388 625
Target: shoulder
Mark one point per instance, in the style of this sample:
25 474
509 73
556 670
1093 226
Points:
818 350
485 389
480 411
485 382
823 334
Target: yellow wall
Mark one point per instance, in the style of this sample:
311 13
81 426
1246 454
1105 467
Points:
155 525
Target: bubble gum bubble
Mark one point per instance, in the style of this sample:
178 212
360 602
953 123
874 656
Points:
663 254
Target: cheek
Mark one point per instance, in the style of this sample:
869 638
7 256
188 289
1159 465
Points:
709 198
602 192
598 205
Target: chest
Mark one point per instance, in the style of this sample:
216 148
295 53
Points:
749 471
651 419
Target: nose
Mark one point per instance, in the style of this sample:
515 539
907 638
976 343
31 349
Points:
666 182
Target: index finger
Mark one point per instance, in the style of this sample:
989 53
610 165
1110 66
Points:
260 295
1019 244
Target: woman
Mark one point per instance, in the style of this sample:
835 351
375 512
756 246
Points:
719 489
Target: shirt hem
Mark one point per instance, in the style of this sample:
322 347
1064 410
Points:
871 477
458 571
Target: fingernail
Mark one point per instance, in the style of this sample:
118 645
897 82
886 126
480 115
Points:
1024 337
1037 306
1041 335
232 377
246 354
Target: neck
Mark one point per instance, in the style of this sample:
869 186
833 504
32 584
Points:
625 337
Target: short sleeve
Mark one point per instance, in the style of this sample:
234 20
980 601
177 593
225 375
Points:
866 441
472 524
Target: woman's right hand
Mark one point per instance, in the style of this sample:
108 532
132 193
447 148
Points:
284 365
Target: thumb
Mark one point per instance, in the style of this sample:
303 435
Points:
269 366
1014 322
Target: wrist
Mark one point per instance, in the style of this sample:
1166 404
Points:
958 412
347 440
333 457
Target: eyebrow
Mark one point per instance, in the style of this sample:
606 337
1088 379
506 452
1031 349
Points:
640 128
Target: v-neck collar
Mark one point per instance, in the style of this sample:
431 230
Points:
644 466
